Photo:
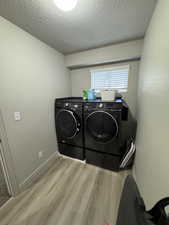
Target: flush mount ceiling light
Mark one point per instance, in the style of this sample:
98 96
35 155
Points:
66 5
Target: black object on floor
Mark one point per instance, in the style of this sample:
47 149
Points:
158 213
132 210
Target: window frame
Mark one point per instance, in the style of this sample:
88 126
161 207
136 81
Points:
127 66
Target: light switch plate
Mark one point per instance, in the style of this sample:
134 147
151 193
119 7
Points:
17 116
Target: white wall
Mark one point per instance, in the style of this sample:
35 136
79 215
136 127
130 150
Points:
152 159
81 79
32 75
110 53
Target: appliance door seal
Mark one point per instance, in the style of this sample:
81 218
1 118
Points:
67 124
102 126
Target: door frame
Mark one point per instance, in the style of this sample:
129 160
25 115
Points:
7 160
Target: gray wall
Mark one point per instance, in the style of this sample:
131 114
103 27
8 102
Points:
111 53
152 159
32 75
81 79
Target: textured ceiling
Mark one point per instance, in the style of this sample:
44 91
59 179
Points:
91 24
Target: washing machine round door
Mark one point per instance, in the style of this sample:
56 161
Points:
102 126
67 124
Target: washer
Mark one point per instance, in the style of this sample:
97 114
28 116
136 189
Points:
106 133
69 127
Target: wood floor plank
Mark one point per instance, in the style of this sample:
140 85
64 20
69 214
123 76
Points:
70 193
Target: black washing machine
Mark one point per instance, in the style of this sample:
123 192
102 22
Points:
107 133
69 127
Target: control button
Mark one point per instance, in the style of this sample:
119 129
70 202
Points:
66 104
76 106
100 105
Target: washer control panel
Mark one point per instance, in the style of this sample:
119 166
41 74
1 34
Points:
73 106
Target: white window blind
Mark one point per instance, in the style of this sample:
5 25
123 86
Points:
112 78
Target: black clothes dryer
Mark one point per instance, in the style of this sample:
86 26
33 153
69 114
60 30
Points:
107 133
69 127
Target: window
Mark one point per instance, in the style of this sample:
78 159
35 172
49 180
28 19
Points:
110 78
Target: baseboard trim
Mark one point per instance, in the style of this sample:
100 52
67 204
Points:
7 207
70 158
31 179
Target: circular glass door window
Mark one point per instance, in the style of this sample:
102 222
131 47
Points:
67 125
102 126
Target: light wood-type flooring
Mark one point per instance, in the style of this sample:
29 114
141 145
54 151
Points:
69 193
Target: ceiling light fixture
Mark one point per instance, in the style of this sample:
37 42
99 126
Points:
66 5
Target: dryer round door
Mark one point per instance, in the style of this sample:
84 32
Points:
67 124
101 126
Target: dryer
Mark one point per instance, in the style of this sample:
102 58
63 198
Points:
107 132
69 127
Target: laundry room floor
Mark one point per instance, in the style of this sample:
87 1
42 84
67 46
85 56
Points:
70 193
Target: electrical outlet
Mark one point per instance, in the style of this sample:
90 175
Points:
17 116
40 154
